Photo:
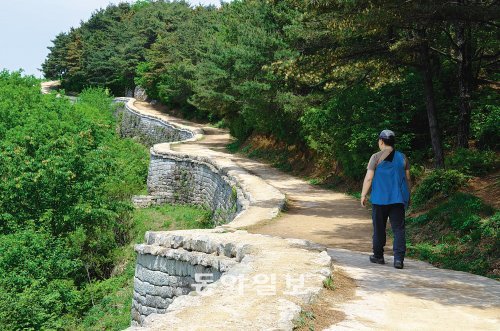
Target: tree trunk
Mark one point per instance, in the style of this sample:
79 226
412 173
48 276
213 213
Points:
430 105
464 58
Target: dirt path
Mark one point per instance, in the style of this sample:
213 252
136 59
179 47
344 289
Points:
325 217
419 297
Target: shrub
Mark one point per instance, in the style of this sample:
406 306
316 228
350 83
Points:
472 162
438 184
65 209
37 291
95 97
491 226
239 128
462 212
487 128
416 171
462 233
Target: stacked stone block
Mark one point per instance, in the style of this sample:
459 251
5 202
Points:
149 130
167 269
189 180
181 179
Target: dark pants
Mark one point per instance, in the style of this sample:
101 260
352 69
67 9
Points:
396 214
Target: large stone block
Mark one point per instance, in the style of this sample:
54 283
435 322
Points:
164 272
225 266
149 130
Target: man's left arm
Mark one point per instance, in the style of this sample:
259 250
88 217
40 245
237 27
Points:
367 183
408 179
407 172
408 176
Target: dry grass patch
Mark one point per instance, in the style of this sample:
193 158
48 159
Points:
325 310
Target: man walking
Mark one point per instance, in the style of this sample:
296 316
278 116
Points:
390 172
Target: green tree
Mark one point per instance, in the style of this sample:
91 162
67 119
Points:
346 43
55 65
231 79
175 33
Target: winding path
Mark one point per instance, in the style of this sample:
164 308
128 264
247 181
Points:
419 297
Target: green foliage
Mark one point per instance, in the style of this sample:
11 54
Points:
470 162
96 97
437 185
37 290
231 81
416 171
347 127
486 125
104 51
169 61
462 212
66 167
113 299
66 220
113 296
327 75
65 209
207 63
462 234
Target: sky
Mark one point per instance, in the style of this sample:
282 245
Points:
28 26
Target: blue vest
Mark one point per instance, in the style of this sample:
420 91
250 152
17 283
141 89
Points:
389 182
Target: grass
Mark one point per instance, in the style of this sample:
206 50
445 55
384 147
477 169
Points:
304 320
113 296
329 283
170 217
462 233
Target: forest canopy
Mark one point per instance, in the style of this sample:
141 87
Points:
323 75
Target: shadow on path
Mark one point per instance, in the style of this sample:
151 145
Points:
419 297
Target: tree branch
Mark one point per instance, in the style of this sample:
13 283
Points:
447 33
449 56
491 63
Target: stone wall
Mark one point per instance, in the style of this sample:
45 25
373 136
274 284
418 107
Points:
213 279
166 272
148 130
168 291
193 180
182 179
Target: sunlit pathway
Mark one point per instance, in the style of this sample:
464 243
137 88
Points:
329 218
419 297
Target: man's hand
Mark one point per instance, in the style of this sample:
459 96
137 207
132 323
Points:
363 201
